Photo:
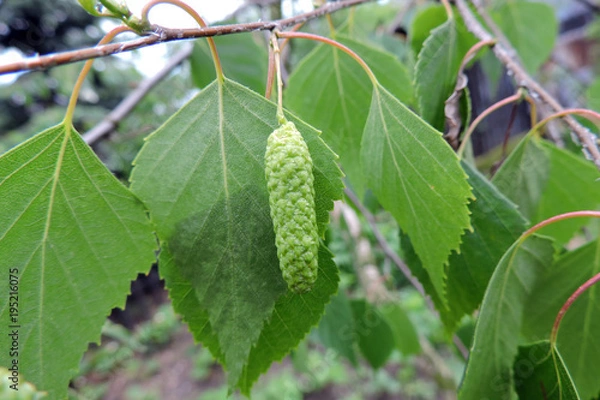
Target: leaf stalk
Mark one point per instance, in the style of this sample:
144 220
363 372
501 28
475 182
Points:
68 120
198 19
331 42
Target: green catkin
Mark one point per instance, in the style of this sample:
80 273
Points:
288 168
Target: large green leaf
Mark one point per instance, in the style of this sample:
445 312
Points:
437 68
417 177
202 176
523 176
531 28
540 373
74 237
331 91
489 370
374 336
578 339
243 58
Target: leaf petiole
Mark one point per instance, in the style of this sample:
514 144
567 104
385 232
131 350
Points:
563 310
310 36
68 120
198 19
276 52
590 115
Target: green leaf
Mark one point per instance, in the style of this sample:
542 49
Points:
186 303
437 68
243 58
336 329
578 334
496 225
74 237
427 19
489 370
213 219
374 335
531 28
331 91
523 176
293 317
417 177
572 186
405 334
540 373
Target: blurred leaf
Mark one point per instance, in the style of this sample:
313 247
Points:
523 176
213 221
593 95
336 329
331 91
489 370
75 238
374 335
405 334
426 20
417 177
369 18
243 59
573 185
578 336
546 181
531 27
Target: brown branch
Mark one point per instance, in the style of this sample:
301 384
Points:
523 79
159 34
110 122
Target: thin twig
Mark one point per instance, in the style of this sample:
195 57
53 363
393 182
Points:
524 80
159 34
110 122
387 250
392 255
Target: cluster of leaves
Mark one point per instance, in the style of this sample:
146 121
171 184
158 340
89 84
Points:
198 197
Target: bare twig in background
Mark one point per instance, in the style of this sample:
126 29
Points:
387 250
159 34
524 80
110 122
392 255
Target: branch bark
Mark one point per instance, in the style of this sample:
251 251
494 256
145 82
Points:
159 34
523 79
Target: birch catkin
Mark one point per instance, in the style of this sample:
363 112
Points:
288 168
